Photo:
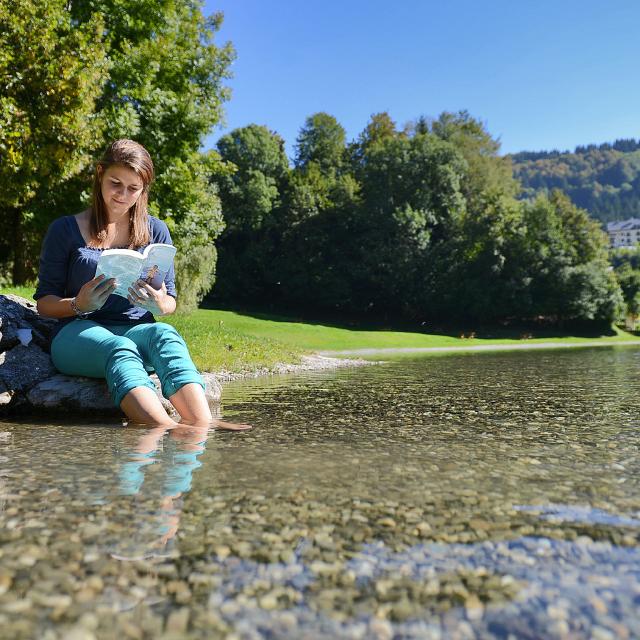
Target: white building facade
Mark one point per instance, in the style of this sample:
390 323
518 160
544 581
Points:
624 233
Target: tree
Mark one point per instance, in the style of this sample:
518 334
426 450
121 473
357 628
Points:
479 274
51 73
603 179
259 166
322 141
165 89
251 191
629 280
166 82
380 127
189 204
410 199
487 171
565 253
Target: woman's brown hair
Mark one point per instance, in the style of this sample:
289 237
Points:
134 156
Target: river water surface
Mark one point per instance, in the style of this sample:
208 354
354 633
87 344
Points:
467 496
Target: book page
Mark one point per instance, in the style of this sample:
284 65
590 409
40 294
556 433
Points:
125 268
158 261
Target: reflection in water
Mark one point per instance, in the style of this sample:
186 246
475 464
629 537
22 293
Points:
160 468
459 497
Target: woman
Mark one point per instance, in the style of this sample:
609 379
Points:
107 336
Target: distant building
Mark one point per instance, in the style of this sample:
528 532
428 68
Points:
624 233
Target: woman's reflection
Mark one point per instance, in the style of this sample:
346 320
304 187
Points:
161 469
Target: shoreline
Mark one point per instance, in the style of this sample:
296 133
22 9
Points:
327 360
481 347
309 362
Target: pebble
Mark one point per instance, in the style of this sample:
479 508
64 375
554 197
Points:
89 621
178 621
387 522
17 606
269 602
474 607
600 633
79 633
380 629
559 628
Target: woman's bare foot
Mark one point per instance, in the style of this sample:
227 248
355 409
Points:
230 426
216 424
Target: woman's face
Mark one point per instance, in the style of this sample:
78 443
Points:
121 187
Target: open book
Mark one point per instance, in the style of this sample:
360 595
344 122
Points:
127 266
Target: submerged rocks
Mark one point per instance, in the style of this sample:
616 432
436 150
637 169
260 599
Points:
29 383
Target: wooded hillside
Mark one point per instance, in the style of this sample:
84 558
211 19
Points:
603 179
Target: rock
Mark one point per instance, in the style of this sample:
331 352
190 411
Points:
5 394
178 621
79 633
16 313
213 389
30 384
600 633
71 395
23 367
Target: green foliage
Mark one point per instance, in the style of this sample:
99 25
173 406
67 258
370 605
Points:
411 198
420 223
191 209
380 127
147 70
165 86
486 170
566 253
321 140
626 263
251 189
51 72
625 255
478 273
604 179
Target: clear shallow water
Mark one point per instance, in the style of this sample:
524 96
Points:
458 497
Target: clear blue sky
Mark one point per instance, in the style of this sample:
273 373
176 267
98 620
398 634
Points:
541 74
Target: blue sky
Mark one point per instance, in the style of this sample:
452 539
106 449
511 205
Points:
541 74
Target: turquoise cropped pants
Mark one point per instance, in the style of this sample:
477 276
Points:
124 355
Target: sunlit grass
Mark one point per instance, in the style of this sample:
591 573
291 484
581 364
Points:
323 337
215 346
25 292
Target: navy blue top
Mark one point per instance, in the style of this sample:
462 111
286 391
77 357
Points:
66 263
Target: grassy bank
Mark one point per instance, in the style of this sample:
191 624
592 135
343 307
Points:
324 337
241 341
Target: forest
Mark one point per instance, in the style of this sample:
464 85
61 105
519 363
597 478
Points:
420 222
603 179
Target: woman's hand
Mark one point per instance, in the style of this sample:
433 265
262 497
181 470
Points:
94 293
158 301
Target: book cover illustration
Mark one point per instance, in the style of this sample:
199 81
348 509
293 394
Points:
127 266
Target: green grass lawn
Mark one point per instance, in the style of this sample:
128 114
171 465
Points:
25 292
233 341
321 337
